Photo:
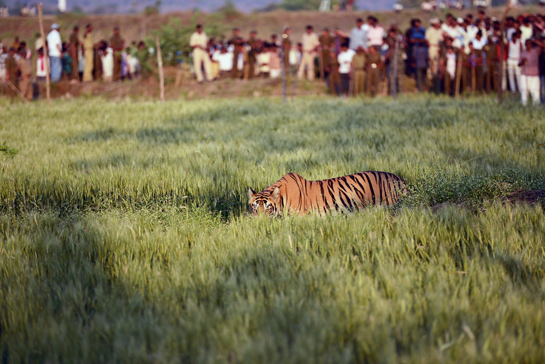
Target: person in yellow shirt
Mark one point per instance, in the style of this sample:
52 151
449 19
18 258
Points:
310 43
199 44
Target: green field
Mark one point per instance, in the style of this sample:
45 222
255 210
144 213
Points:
125 235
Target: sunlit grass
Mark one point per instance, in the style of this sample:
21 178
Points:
124 233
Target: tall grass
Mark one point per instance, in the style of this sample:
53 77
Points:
124 235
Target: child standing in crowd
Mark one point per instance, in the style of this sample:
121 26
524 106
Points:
345 67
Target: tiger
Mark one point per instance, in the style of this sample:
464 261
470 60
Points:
294 194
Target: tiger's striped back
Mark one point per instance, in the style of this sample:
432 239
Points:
293 193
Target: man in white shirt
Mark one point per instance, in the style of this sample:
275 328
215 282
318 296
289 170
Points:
434 36
345 66
479 42
310 44
358 36
375 34
54 45
199 44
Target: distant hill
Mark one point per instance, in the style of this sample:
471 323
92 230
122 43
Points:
132 6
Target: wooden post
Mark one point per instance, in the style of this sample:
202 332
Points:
394 81
283 64
161 75
458 75
46 54
473 80
14 89
502 52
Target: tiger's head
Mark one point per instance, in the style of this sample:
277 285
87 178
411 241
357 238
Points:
264 202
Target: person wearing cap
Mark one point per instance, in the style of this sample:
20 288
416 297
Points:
236 41
286 48
251 52
117 44
358 69
310 43
199 42
54 44
434 36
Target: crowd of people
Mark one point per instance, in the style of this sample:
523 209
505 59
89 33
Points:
79 59
452 56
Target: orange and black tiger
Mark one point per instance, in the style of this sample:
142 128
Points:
294 194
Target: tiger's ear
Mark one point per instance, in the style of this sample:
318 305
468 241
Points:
275 194
251 193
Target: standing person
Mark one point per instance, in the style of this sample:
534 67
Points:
198 43
476 63
275 63
310 45
286 47
334 77
514 48
41 68
24 66
117 45
11 68
374 64
74 48
434 36
395 53
358 36
326 44
54 45
345 67
88 53
542 74
107 61
338 39
421 59
478 48
236 41
39 42
358 69
529 79
492 64
375 34
251 53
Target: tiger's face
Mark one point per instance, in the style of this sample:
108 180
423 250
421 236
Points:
263 202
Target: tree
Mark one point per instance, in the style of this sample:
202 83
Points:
294 5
